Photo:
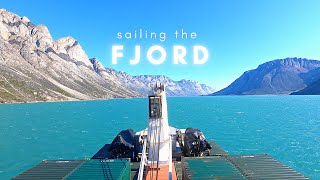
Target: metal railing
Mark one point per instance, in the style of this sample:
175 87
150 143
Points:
170 159
143 159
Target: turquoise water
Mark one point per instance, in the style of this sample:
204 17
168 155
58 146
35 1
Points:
286 127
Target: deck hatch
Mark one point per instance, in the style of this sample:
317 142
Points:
214 167
263 167
50 169
78 169
102 169
216 149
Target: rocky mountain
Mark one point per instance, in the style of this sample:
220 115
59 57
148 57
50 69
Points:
173 88
35 67
312 89
282 76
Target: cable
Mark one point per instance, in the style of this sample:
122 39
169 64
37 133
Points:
152 147
158 148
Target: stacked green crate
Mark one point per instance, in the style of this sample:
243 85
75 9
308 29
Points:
50 169
102 169
264 167
214 167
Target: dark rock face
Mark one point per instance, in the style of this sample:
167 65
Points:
312 89
282 76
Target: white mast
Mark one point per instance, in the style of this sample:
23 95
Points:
158 127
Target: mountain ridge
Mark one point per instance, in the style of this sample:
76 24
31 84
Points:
35 67
173 88
280 76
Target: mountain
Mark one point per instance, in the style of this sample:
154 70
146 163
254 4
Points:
312 89
173 88
281 76
35 67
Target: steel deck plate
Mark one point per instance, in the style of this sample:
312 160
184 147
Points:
216 149
102 169
53 169
213 167
263 167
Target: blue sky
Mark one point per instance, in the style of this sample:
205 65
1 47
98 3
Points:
239 35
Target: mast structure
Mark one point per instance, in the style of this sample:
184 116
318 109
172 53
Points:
156 154
158 127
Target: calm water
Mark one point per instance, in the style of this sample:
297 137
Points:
286 127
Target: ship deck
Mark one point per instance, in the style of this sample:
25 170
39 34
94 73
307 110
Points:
162 173
219 165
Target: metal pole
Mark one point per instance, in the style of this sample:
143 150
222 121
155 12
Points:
170 158
143 159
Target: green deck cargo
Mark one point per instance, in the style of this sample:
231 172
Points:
216 149
102 169
79 169
211 167
50 170
264 167
259 166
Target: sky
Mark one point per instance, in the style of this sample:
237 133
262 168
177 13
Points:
239 35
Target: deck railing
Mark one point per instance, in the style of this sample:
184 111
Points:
143 159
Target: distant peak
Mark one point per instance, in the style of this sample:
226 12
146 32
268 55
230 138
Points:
290 61
188 81
4 10
41 31
25 19
8 16
67 40
42 27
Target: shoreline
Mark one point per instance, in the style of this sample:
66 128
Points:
71 100
101 99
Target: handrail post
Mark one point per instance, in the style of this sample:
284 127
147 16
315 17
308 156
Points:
170 158
143 159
